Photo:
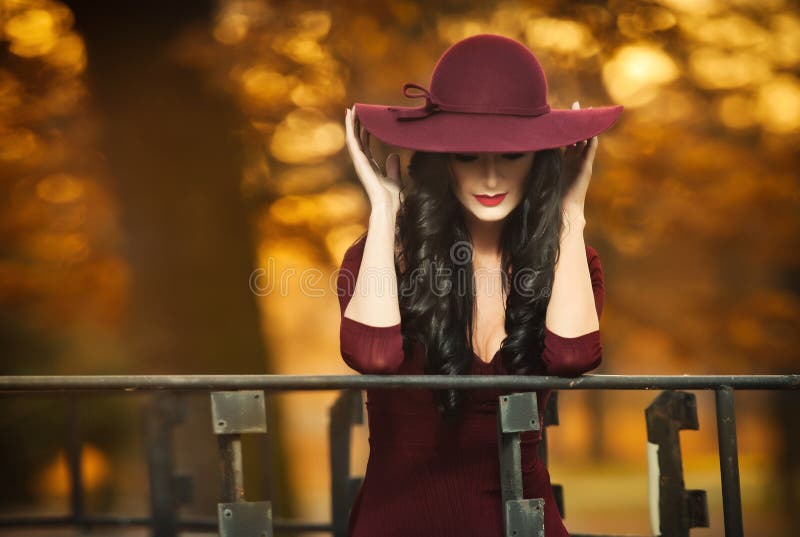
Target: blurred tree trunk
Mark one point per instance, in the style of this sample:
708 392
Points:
787 465
173 150
595 399
786 418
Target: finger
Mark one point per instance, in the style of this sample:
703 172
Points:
360 129
365 146
576 105
363 136
591 148
579 146
356 154
357 128
393 167
350 137
351 129
348 127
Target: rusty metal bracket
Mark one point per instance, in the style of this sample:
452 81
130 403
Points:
245 519
517 412
233 414
238 412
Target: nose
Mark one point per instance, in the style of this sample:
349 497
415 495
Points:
491 170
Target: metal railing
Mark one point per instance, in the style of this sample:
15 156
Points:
237 403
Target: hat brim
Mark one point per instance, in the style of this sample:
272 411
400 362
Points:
449 132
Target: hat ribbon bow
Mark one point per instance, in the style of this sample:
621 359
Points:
433 105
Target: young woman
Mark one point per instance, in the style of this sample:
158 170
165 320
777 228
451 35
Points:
479 266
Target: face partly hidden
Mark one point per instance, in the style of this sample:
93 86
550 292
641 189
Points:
490 185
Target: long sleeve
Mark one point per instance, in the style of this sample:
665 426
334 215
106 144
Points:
366 349
573 356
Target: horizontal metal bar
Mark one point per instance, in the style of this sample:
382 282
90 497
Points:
137 383
198 524
601 535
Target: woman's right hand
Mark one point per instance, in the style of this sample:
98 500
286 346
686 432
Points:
382 190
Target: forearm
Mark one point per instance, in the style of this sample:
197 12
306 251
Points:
375 301
571 311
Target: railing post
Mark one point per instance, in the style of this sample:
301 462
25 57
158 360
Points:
167 491
517 412
75 463
345 412
729 462
551 418
233 414
678 509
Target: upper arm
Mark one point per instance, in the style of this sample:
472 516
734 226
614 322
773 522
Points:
365 348
348 272
573 356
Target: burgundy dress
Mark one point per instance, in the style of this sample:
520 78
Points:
424 478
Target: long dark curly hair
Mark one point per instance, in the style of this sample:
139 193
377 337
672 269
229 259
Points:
435 271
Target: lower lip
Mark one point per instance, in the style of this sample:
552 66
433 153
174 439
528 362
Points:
491 201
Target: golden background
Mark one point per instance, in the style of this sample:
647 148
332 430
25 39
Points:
154 159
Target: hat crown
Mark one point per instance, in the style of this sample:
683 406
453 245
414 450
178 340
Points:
487 93
489 70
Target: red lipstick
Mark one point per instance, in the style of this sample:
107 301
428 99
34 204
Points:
490 201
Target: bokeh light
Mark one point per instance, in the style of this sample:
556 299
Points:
692 205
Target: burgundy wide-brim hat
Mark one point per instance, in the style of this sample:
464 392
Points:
487 93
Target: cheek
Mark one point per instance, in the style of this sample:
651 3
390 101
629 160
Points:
516 180
521 174
455 183
460 180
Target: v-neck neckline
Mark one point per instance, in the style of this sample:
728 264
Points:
490 362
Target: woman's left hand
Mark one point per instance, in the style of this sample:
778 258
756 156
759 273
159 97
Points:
577 172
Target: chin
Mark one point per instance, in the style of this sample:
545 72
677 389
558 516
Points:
489 214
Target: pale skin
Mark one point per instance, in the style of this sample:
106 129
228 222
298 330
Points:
571 311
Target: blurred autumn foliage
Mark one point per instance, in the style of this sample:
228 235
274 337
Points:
135 200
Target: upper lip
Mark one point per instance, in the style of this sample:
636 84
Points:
492 195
